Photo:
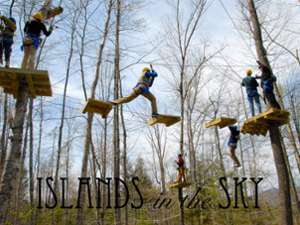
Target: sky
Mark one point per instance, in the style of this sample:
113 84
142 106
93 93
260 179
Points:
218 27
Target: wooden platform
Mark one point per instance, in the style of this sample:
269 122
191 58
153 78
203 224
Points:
221 122
179 185
168 120
260 124
37 80
98 106
50 13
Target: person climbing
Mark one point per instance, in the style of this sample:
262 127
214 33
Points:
251 85
142 88
7 39
181 169
267 84
33 30
232 143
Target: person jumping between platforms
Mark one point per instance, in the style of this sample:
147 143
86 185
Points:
232 144
267 84
251 85
7 39
142 88
181 170
33 30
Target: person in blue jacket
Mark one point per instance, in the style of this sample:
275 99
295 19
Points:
267 84
142 88
251 85
232 144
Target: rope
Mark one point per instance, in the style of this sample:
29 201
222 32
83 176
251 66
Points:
236 28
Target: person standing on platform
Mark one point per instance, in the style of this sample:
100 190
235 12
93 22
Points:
251 85
267 84
7 32
33 30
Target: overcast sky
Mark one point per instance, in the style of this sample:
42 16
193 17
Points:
218 28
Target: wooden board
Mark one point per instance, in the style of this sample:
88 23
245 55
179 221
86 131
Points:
179 185
221 122
168 120
98 106
260 124
50 13
37 81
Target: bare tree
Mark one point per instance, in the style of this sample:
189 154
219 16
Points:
116 123
88 136
182 39
73 25
275 135
158 140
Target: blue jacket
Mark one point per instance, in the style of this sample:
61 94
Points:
148 78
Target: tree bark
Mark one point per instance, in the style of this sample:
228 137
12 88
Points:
116 123
88 136
283 178
62 119
282 171
3 136
8 186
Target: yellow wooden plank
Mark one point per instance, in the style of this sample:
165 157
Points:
221 122
179 185
97 106
213 122
10 78
31 89
168 120
43 92
42 83
53 12
261 123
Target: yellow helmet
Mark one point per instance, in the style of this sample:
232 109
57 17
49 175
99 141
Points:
146 69
249 72
38 16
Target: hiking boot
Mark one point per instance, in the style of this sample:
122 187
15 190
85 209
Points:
237 165
155 114
7 64
112 102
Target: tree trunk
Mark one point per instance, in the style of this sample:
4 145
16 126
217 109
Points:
283 178
297 128
62 119
88 136
31 174
125 172
116 131
282 171
8 186
3 136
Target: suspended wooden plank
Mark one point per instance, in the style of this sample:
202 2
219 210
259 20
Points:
37 81
257 130
179 185
260 124
220 122
49 11
168 120
98 106
52 12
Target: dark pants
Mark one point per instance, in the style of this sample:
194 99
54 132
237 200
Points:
6 43
254 97
271 99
